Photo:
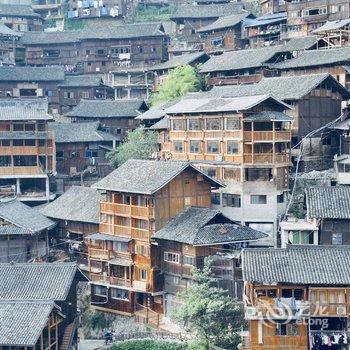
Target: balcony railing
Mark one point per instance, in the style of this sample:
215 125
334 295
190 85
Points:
266 136
126 210
140 234
266 158
141 286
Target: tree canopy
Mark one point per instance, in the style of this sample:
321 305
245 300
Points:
210 312
179 82
139 144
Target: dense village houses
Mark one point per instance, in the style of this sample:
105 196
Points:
190 237
27 149
8 45
80 148
316 100
244 142
142 196
249 66
76 213
131 83
305 16
32 82
265 30
115 116
98 49
333 61
102 9
272 6
77 87
50 10
191 17
24 232
292 309
226 33
162 70
20 18
38 305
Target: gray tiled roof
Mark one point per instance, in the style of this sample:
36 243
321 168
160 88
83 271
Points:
268 19
98 30
32 74
206 11
156 112
201 104
311 58
240 59
285 88
39 281
332 25
300 43
13 230
303 265
146 176
225 22
79 132
24 216
24 109
328 202
182 60
84 80
40 38
161 124
77 204
21 323
5 30
108 108
17 11
202 226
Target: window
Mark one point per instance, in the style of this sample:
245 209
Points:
194 124
5 161
188 260
119 294
143 274
258 199
173 279
232 147
344 168
119 131
178 124
337 238
101 52
210 171
288 329
232 124
68 94
280 198
4 143
120 247
49 93
301 237
59 155
231 200
195 146
232 174
85 94
213 146
213 124
178 146
100 290
142 250
172 257
140 49
215 198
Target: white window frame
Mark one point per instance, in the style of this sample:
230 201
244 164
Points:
176 256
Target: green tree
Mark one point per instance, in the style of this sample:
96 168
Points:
139 144
208 311
179 82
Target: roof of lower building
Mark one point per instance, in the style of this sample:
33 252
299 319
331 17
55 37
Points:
17 11
331 202
268 19
206 11
77 204
312 58
5 30
22 323
285 88
301 43
240 59
156 112
25 218
79 132
44 38
162 124
332 25
200 104
205 226
31 74
225 22
24 109
299 265
108 108
182 60
103 237
146 176
84 80
37 282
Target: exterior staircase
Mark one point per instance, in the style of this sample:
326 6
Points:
67 339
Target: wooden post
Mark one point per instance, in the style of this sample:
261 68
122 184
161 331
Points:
252 123
273 143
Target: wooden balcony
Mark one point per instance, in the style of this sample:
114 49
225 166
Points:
174 134
98 253
140 234
269 136
265 158
213 134
24 170
121 282
141 286
126 210
115 230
